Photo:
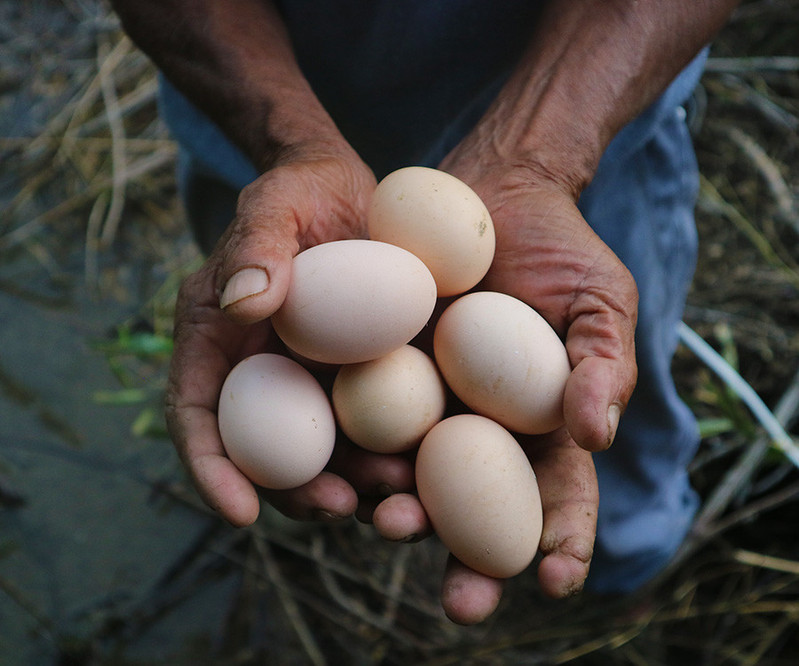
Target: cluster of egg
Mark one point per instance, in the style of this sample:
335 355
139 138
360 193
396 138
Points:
355 306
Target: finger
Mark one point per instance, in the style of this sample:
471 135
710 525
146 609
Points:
285 210
401 518
569 497
375 474
255 256
217 480
327 497
596 393
197 370
224 488
601 347
468 597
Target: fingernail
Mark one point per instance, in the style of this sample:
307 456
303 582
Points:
247 282
326 516
614 414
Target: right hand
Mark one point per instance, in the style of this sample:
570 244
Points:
222 317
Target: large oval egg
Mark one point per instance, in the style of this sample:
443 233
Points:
440 219
354 300
480 493
503 359
275 421
387 405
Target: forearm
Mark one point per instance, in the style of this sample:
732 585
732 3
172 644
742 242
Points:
592 66
233 59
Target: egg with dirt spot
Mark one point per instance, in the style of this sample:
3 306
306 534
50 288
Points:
440 219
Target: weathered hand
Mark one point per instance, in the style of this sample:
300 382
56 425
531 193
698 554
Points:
567 484
301 202
548 257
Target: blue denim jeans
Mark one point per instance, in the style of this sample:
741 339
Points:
641 204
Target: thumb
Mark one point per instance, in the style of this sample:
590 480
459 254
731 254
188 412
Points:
286 209
255 264
254 291
596 394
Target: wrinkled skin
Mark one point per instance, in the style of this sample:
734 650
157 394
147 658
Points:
589 68
293 206
546 255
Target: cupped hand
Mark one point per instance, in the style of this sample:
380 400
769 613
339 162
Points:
548 256
567 483
222 317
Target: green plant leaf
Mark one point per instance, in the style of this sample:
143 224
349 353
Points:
128 396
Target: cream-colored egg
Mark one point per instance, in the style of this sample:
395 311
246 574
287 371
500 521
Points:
354 300
503 360
387 405
275 421
440 219
480 493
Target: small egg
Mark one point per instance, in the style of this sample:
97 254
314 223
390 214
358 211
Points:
481 495
387 405
354 300
503 360
275 421
440 219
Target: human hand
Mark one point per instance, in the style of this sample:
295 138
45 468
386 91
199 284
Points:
567 484
303 201
547 256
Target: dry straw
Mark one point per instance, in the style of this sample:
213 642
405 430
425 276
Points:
100 170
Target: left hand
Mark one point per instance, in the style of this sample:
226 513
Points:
548 256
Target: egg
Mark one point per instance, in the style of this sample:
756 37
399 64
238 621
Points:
387 405
440 219
503 360
351 301
275 421
480 493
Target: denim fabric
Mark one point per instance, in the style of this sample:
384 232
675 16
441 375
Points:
640 203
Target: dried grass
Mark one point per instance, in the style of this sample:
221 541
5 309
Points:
97 176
